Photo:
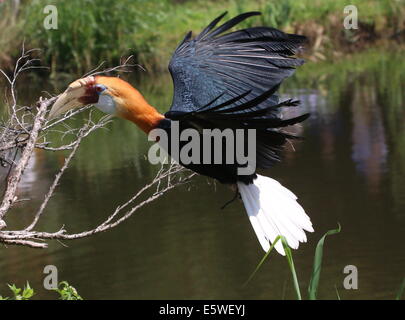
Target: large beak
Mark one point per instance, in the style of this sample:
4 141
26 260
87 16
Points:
78 94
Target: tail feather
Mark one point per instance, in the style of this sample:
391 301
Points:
273 210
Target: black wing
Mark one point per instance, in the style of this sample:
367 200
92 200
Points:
235 114
230 81
226 66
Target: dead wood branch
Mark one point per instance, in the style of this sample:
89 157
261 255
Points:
26 128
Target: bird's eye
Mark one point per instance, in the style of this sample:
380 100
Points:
100 88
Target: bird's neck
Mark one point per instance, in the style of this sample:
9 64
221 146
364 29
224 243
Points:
140 112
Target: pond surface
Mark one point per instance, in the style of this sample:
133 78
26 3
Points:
350 169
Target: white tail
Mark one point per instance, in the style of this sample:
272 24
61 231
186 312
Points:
273 210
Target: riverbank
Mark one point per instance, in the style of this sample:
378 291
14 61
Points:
91 32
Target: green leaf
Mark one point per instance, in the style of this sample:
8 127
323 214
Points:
337 293
28 292
290 260
67 292
14 289
401 290
261 262
316 271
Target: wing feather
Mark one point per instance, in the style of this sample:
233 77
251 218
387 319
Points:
229 80
216 63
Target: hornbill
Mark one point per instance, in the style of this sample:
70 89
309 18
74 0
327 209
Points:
222 80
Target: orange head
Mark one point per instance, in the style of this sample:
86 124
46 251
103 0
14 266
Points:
111 95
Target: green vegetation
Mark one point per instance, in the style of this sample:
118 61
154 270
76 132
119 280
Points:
316 270
65 291
93 31
401 290
18 293
82 42
314 281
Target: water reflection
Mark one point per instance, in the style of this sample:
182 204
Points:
349 169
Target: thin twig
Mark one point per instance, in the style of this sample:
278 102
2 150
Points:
27 128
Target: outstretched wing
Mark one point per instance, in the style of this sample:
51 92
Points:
221 66
230 81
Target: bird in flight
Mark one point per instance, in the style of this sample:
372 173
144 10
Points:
228 81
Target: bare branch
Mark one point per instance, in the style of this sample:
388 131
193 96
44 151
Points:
54 184
27 243
27 128
119 215
13 180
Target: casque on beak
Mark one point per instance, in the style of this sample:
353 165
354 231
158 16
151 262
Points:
79 93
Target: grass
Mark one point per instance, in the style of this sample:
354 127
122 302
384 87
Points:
93 31
314 281
316 269
289 260
284 14
401 290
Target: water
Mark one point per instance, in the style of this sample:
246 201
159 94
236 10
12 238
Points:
349 170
